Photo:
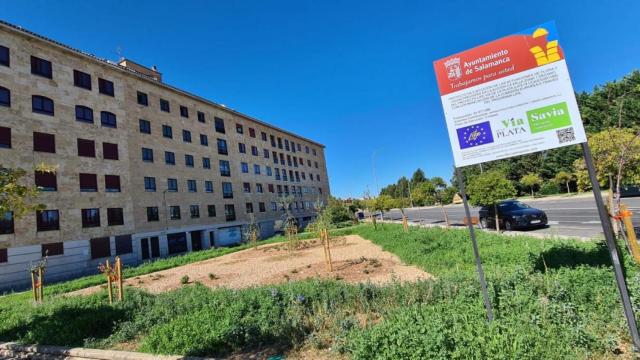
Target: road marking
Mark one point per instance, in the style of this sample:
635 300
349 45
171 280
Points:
590 222
553 222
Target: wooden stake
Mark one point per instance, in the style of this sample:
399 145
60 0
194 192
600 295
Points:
326 237
33 286
119 275
41 281
625 214
405 224
109 288
324 247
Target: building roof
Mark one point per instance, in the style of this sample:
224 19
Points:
131 72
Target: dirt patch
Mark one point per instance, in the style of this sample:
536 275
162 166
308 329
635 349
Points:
355 260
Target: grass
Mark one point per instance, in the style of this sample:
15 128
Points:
552 299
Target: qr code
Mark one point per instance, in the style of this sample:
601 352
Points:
566 135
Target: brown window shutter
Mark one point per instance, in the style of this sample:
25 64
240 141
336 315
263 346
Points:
110 151
100 247
4 257
44 142
86 148
52 249
89 182
124 244
47 180
112 182
5 137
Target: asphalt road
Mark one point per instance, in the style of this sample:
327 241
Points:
569 216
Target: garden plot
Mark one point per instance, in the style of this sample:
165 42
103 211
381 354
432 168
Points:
355 260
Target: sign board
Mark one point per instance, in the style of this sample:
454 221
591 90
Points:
509 97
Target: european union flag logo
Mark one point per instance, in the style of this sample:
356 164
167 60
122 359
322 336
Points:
475 135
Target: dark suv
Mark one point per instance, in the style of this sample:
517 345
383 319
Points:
513 215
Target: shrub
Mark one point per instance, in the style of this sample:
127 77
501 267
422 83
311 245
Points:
549 188
184 280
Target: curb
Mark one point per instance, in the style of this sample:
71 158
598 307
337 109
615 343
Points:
13 350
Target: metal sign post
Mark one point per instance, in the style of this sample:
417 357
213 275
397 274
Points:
476 252
613 248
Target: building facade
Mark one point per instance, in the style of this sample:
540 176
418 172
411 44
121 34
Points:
143 169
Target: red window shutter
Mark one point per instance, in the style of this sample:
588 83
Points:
86 148
110 151
5 137
44 142
88 182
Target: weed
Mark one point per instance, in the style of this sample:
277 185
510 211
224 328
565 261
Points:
213 276
184 280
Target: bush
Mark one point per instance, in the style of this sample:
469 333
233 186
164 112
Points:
549 188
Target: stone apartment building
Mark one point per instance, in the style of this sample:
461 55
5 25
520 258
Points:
143 169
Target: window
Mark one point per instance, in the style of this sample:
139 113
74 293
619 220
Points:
222 147
269 173
153 213
225 170
188 160
252 132
145 126
47 220
4 56
282 158
313 151
177 243
275 157
293 146
274 206
6 227
206 163
246 187
245 167
164 105
316 163
254 150
174 212
227 190
52 249
273 140
41 67
110 151
194 211
263 135
249 207
46 181
299 147
289 160
242 148
5 97
261 207
108 119
90 218
191 186
184 112
277 174
295 161
204 141
88 182
84 114
167 131
149 184
259 188
256 169
42 105
265 153
169 158
229 212
81 79
186 136
239 129
219 125
208 186
124 245
286 144
201 117
115 216
147 155
86 148
143 99
306 149
279 143
270 187
112 183
172 185
100 247
211 210
105 87
44 142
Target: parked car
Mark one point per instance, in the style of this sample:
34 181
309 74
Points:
513 214
629 190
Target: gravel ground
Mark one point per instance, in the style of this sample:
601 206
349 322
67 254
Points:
354 260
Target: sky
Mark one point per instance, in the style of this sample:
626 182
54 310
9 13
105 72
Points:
356 76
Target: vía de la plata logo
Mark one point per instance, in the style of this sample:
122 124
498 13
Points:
549 117
511 127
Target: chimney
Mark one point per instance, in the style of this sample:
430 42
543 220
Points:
151 72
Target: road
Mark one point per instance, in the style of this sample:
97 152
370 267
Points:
569 216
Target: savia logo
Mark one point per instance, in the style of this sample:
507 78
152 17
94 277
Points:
511 127
549 117
475 135
454 71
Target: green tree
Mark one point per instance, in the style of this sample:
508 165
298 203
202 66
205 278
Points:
16 195
423 194
336 211
531 180
488 189
564 178
417 178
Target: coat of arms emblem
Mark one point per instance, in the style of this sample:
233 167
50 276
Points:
454 71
